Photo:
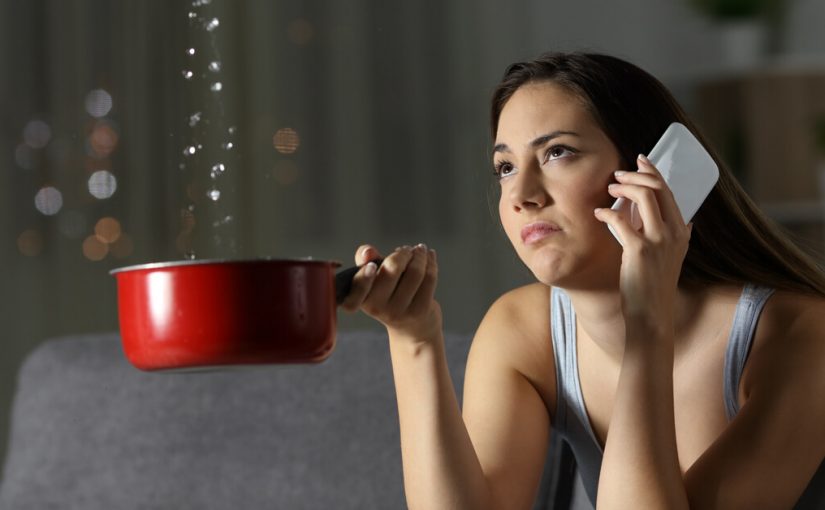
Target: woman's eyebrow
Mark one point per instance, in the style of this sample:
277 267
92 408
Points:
537 142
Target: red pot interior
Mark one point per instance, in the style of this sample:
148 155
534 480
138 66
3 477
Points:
196 314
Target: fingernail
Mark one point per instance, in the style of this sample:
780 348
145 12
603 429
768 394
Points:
643 159
421 245
370 270
619 173
596 210
612 185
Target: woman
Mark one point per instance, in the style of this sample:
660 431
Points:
685 368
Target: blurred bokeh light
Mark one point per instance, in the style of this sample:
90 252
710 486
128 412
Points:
94 249
37 134
102 184
286 140
30 243
48 200
107 230
98 103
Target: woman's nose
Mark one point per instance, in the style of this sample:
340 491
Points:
527 192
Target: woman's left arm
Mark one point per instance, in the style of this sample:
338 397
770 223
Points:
640 468
769 452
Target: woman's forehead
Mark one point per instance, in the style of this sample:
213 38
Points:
539 108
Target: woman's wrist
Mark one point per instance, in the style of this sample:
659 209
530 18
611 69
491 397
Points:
649 339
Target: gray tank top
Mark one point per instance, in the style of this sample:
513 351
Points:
571 416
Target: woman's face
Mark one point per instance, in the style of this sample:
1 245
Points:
554 163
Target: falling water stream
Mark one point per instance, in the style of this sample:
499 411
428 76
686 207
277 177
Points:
209 141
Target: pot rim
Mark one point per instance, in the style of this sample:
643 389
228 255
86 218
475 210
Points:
199 262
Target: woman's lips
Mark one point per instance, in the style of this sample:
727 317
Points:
535 232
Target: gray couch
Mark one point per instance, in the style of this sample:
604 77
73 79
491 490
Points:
90 432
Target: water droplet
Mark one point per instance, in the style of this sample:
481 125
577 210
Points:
190 51
217 170
200 146
232 130
194 119
212 24
187 74
189 151
214 194
189 255
215 66
191 207
217 86
228 145
193 15
222 221
182 166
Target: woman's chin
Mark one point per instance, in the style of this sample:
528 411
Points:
549 271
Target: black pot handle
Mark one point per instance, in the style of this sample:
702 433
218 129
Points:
343 281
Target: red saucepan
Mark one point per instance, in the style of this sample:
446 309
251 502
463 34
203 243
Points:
209 313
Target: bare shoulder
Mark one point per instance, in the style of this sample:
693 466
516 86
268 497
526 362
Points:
516 331
518 319
768 453
789 345
522 307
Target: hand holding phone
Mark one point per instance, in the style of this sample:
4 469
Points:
687 168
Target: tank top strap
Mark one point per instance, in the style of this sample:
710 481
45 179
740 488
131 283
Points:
748 309
564 351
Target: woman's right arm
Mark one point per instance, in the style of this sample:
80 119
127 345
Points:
492 457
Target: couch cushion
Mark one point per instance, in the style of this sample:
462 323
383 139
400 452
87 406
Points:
89 431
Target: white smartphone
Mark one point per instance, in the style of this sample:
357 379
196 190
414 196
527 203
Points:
687 168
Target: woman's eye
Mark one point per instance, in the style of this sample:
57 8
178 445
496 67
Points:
558 151
503 169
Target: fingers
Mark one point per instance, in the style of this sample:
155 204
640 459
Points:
362 281
365 253
361 286
410 281
667 201
620 224
402 287
387 279
652 196
426 292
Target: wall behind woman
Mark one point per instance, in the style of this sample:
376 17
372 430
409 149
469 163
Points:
353 121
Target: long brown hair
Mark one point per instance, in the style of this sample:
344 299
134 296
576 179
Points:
732 240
